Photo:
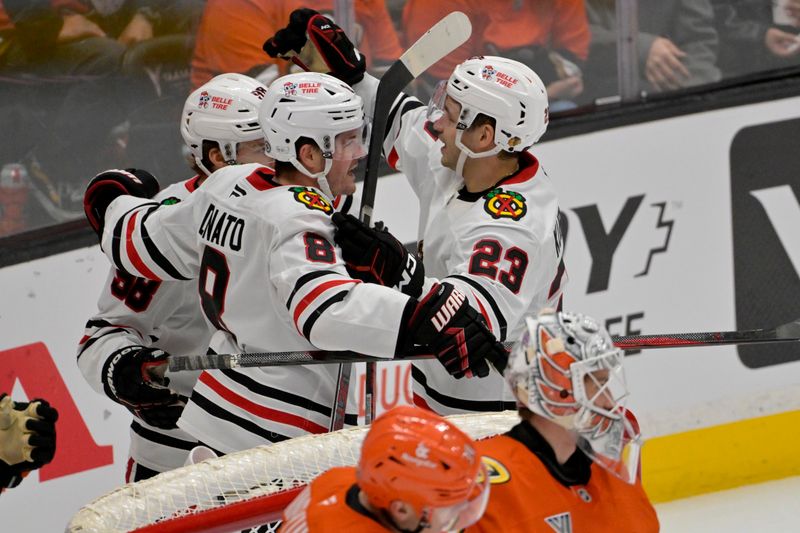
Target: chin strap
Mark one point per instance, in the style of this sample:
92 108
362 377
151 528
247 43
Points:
321 177
466 152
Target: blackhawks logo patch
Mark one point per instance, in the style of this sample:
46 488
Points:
505 204
172 200
311 199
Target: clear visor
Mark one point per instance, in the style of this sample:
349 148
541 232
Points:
351 144
617 449
436 109
462 515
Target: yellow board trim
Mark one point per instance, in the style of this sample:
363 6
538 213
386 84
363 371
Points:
721 457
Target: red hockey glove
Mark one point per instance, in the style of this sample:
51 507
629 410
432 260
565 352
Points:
445 322
376 256
27 438
336 50
106 186
128 380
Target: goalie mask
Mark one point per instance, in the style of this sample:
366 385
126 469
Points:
224 111
422 459
501 88
318 107
565 368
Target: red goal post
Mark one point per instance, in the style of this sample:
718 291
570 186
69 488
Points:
243 489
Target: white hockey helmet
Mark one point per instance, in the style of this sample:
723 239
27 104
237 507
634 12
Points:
566 368
225 111
316 106
506 90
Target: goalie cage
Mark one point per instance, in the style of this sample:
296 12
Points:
247 489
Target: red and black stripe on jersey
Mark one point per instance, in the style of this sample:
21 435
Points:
317 295
103 328
125 235
282 396
454 403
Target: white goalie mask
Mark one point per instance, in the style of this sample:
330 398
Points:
565 368
224 111
504 89
318 107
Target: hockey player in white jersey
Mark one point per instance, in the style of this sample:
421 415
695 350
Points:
488 211
138 320
271 279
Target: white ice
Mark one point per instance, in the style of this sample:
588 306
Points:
773 506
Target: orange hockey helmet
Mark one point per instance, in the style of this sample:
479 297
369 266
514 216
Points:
417 456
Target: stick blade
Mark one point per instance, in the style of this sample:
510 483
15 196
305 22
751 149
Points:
441 39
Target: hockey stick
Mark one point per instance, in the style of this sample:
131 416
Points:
443 37
789 332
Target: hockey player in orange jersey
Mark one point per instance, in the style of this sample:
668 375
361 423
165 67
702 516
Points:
571 464
417 472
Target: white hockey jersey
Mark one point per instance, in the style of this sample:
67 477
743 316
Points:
167 315
270 279
501 247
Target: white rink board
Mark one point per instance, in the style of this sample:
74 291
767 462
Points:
683 162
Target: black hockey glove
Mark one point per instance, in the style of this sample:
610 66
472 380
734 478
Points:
334 47
106 186
128 379
445 322
375 256
27 438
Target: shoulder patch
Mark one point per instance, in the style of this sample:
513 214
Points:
172 200
311 199
505 204
497 472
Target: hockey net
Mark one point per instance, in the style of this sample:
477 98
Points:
242 490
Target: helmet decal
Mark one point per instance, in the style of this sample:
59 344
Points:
204 99
290 89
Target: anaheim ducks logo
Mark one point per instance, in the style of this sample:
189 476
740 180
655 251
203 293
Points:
495 470
505 204
311 199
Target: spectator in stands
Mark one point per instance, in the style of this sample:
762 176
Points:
757 35
75 70
27 438
677 45
231 33
551 37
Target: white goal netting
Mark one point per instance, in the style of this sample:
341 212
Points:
243 489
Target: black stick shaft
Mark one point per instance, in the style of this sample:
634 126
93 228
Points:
789 332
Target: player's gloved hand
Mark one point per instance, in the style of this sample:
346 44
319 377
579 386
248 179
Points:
27 438
132 377
106 186
374 255
331 51
445 322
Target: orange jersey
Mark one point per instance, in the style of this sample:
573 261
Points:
503 25
420 15
554 24
329 503
231 34
525 496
